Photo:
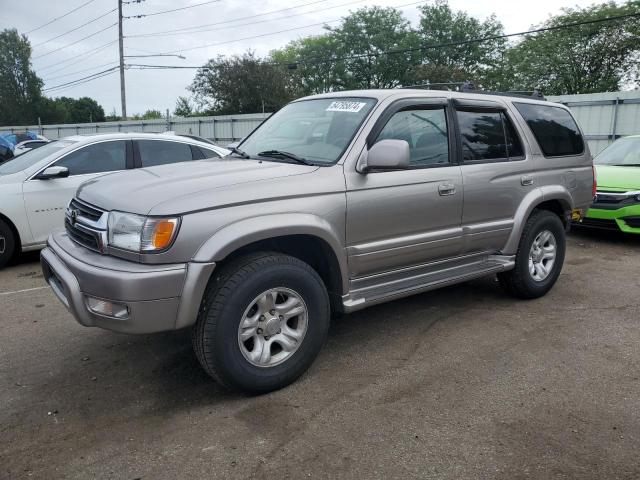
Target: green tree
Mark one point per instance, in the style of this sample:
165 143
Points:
313 64
241 84
475 61
597 57
85 109
363 36
183 107
20 87
150 114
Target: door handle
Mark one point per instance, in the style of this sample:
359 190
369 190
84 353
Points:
526 180
446 189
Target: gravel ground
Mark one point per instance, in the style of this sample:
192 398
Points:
458 383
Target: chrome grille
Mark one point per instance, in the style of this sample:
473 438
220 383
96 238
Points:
86 225
85 210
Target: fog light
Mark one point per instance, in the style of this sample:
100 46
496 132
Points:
107 308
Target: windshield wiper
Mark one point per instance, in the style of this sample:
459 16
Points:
279 153
237 151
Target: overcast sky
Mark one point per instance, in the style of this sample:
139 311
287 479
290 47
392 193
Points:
159 89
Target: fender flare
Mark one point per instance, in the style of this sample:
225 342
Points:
528 204
236 235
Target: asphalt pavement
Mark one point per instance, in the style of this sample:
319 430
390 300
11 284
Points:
459 383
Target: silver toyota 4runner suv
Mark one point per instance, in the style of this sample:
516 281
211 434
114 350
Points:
337 202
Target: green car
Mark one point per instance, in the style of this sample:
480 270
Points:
617 203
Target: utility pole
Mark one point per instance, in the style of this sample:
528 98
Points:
123 97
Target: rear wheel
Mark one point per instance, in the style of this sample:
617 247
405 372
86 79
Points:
7 244
262 322
539 258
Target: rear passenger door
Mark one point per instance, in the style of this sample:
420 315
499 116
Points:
497 173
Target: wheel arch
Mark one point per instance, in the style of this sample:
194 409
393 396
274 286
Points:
14 230
556 199
306 237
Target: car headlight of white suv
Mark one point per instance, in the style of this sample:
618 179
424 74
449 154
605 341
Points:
137 233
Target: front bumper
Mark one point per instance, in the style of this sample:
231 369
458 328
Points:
626 219
157 297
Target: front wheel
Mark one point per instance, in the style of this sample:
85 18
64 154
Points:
539 258
262 322
7 244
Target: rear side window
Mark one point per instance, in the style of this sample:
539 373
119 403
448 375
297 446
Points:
97 158
554 128
161 152
487 135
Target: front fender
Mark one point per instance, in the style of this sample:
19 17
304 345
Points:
244 232
532 200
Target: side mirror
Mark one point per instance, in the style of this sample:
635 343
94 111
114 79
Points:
386 155
53 172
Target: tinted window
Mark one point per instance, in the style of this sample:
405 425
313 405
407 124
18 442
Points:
482 135
34 144
96 158
554 129
160 152
208 153
488 136
30 158
426 133
514 146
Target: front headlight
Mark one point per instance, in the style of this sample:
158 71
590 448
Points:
141 234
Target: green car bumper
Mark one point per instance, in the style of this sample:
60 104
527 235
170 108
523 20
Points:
625 219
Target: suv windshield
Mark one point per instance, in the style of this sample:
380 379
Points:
316 131
32 157
624 152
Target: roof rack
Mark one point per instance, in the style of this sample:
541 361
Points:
469 87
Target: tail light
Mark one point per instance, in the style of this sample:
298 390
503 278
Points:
594 190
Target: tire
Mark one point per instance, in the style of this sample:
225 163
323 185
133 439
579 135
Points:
521 282
235 294
7 244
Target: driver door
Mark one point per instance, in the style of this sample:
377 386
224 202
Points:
399 219
46 200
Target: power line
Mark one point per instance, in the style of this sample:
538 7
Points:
252 37
237 19
273 33
406 50
78 58
466 42
83 82
145 35
78 81
79 71
76 42
172 10
74 29
61 16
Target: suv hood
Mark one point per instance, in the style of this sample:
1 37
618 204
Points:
183 187
621 179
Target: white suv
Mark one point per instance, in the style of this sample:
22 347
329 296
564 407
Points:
36 187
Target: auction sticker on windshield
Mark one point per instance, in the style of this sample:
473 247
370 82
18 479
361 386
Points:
344 106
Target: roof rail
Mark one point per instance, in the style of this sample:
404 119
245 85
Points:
469 87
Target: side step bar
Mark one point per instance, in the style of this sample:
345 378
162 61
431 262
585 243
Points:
421 279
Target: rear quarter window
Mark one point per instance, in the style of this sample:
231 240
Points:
554 128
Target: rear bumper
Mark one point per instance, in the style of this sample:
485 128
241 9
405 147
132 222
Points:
157 297
625 219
